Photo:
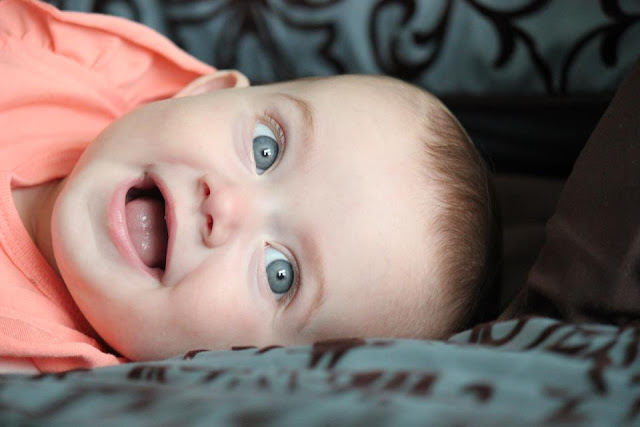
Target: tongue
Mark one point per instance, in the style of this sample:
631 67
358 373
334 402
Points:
148 230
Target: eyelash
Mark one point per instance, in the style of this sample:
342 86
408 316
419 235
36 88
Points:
276 128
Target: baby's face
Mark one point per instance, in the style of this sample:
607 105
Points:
294 212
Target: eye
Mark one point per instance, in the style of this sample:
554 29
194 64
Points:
265 147
279 272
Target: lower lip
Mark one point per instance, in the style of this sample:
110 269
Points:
120 233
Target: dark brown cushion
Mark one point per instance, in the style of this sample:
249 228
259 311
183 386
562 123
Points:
526 203
589 266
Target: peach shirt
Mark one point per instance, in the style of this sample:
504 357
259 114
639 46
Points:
64 76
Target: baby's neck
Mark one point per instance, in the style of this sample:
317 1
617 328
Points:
35 207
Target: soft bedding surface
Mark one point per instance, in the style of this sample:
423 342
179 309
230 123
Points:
524 371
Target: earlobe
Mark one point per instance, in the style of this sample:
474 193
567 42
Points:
221 79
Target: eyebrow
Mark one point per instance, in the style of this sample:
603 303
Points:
305 109
313 255
314 258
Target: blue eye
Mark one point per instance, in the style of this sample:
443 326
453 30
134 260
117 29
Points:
265 147
279 272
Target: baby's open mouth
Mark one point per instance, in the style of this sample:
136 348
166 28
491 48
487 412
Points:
146 223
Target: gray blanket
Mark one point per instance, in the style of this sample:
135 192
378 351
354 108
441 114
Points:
528 371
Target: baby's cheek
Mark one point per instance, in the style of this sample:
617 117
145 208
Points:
218 311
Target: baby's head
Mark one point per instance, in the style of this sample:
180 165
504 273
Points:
313 209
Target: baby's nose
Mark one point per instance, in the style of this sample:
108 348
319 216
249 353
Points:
224 206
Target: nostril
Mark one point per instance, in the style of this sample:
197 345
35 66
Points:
209 223
207 190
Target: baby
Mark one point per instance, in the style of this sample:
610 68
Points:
280 214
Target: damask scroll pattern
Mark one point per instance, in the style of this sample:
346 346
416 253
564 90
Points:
449 46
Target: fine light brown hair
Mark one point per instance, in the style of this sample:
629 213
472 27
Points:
467 221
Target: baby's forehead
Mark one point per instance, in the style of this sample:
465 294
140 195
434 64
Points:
381 87
354 106
388 100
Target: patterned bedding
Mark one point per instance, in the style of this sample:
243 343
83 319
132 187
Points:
528 371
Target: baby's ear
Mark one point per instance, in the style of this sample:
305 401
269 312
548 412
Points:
221 79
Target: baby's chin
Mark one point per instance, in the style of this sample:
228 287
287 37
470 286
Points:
134 346
143 350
